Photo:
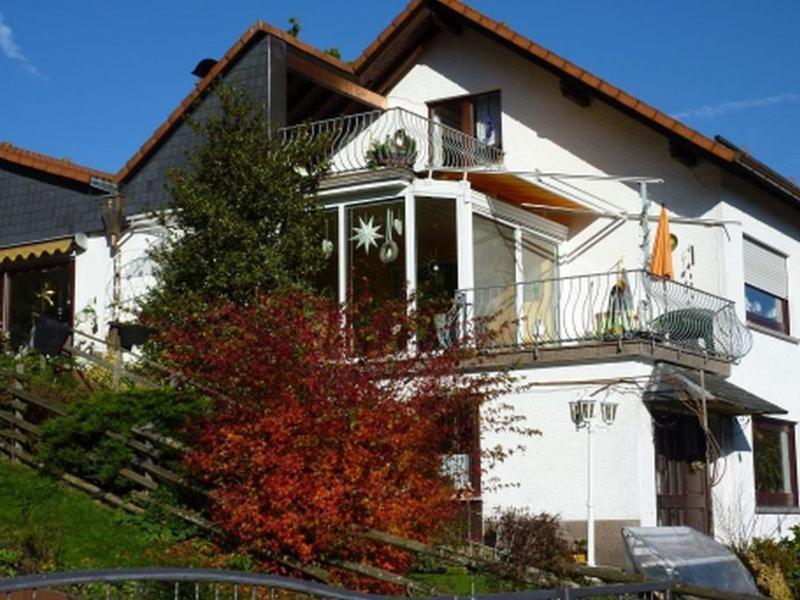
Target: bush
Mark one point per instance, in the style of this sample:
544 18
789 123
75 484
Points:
530 541
775 564
77 442
324 432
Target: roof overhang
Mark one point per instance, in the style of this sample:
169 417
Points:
520 190
670 387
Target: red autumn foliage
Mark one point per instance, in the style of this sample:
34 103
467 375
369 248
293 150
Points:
321 434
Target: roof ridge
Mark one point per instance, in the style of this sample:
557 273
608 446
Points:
63 167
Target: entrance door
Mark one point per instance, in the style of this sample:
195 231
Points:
681 475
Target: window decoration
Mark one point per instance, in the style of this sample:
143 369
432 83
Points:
389 250
366 234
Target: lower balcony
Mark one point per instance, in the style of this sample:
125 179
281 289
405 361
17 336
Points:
613 307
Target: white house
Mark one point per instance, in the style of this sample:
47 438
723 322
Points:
525 188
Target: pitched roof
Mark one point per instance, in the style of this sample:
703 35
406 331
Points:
256 31
721 150
542 55
47 164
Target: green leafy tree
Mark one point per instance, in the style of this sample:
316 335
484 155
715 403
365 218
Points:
244 215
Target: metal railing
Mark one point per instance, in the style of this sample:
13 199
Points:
394 138
197 584
600 307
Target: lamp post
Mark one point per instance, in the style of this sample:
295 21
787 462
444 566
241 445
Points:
584 414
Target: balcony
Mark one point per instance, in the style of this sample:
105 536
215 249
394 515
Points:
394 138
603 307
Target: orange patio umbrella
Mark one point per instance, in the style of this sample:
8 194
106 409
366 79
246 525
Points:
661 262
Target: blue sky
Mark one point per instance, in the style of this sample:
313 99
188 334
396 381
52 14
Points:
91 80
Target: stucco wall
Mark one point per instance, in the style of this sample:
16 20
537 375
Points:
542 130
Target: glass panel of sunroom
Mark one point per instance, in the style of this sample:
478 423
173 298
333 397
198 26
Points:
495 275
437 265
326 280
539 302
376 251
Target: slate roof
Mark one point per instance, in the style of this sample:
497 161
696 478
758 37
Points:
60 167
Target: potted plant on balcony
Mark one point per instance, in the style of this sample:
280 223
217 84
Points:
398 150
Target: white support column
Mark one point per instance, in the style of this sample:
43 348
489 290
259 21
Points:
410 231
519 277
590 550
466 273
342 257
464 246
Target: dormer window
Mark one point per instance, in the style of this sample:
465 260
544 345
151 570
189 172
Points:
478 116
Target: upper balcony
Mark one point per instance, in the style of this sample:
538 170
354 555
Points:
395 138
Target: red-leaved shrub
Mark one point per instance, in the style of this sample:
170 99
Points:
320 433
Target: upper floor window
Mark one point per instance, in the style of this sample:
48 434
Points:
478 116
774 462
766 286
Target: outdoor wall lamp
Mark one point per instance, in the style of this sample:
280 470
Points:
584 414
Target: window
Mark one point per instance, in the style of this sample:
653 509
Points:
766 286
30 293
376 251
475 116
514 301
478 116
437 268
774 462
327 278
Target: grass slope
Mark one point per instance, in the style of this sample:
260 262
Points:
53 527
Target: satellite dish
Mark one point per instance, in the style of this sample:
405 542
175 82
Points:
203 67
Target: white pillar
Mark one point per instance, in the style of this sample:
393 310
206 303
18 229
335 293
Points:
590 551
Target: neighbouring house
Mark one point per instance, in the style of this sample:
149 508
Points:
470 161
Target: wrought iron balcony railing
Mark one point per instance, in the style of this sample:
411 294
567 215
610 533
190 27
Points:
395 138
612 306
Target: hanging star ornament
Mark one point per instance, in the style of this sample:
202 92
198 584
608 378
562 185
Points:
366 234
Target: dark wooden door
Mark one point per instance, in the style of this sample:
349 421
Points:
681 475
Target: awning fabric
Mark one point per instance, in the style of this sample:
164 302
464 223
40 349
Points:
668 383
38 250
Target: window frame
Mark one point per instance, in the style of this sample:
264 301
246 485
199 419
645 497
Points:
777 499
66 263
783 326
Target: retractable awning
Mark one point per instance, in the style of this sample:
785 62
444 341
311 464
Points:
669 384
38 250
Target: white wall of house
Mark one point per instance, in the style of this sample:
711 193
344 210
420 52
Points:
542 130
550 474
94 280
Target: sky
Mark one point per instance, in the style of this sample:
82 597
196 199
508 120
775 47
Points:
90 80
